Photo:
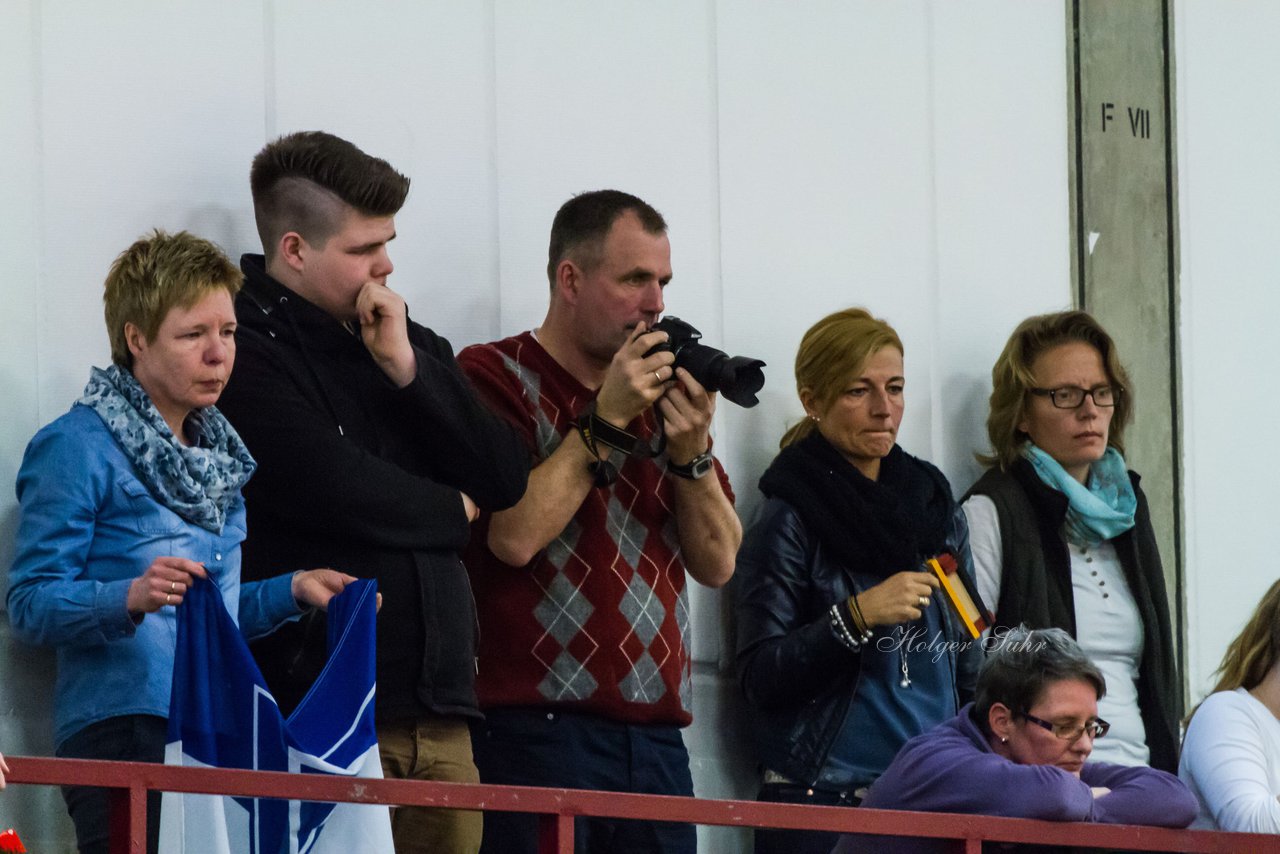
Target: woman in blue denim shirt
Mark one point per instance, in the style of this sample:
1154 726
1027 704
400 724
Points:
846 649
127 499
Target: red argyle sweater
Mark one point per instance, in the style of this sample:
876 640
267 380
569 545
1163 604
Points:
599 619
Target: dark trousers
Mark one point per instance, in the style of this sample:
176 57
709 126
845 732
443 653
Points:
129 738
532 747
800 841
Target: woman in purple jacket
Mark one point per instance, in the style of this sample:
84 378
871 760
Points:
1020 750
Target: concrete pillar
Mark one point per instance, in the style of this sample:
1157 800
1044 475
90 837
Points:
1125 230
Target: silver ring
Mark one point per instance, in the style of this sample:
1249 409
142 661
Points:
924 601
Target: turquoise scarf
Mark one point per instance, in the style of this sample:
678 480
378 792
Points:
198 482
1095 514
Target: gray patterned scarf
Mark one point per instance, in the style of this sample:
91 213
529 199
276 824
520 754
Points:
198 482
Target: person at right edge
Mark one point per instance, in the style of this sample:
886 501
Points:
373 450
1231 755
1060 530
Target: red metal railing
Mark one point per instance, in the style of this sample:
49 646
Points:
558 807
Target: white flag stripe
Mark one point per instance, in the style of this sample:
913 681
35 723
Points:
222 715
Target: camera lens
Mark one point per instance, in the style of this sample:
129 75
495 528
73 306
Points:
738 378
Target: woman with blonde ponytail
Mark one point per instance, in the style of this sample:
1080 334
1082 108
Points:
1231 754
846 646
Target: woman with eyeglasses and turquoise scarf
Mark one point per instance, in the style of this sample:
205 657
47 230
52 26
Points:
1060 530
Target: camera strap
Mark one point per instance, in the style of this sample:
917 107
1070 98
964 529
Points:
595 430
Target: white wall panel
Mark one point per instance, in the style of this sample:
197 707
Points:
825 193
24 673
20 236
1229 178
593 96
1003 230
147 109
410 82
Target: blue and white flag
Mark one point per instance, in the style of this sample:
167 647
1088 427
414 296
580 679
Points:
222 715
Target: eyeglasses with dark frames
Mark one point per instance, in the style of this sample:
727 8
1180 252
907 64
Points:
1072 396
1096 728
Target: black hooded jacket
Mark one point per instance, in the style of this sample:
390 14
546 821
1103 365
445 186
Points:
360 476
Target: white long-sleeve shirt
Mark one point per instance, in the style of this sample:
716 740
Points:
1108 626
1231 761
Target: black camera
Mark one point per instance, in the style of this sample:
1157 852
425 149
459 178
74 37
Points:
736 377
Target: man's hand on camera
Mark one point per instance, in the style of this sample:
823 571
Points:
687 409
634 382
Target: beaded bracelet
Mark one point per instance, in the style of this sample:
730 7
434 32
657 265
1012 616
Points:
841 631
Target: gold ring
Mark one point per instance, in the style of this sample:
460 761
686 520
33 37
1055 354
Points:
657 376
173 585
168 598
924 601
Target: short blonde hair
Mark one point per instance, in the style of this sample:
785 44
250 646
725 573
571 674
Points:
156 273
1011 379
833 350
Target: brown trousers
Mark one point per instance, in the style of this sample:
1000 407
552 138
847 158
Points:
432 748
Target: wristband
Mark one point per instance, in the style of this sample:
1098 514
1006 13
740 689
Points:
859 621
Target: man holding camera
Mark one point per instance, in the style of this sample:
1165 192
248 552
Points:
584 671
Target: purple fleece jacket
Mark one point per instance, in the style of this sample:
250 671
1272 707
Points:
952 768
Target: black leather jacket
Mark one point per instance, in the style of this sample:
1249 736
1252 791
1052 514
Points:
798 679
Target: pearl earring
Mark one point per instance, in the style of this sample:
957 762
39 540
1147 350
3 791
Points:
1004 741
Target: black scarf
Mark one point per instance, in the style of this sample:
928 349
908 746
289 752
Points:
879 527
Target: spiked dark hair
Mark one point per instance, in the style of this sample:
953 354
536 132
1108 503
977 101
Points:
306 181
